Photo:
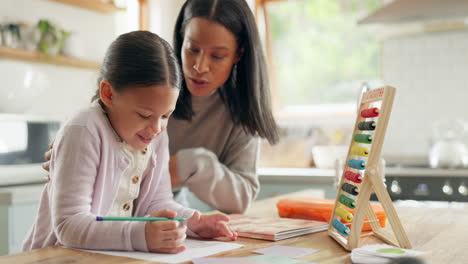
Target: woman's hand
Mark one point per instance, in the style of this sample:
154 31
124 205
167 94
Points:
175 179
47 156
209 226
165 236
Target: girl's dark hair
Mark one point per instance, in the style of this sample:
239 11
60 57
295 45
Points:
246 92
138 59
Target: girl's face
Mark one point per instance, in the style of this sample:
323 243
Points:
139 114
209 52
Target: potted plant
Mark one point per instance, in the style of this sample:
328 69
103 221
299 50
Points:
52 38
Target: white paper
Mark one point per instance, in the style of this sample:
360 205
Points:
219 260
286 251
195 249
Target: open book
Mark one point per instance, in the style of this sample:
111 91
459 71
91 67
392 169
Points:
274 229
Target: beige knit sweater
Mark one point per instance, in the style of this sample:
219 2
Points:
216 159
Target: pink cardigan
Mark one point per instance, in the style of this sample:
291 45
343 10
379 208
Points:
86 165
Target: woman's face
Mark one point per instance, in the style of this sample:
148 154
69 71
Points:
209 52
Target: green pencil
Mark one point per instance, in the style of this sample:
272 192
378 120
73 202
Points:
149 219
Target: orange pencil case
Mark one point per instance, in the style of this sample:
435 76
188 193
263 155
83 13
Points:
321 209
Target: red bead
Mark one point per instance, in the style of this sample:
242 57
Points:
371 112
354 177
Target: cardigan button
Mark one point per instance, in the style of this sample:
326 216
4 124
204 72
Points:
126 207
135 179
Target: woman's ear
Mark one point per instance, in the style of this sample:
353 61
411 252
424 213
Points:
239 55
106 92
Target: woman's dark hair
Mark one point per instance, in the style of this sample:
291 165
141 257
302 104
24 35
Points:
246 92
138 59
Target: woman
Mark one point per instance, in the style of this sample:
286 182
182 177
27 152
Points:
224 104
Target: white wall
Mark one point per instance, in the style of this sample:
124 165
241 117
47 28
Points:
163 15
70 88
430 72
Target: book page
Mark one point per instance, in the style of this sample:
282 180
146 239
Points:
271 226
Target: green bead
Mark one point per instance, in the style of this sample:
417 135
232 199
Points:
350 203
363 138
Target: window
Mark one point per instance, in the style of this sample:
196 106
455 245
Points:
319 57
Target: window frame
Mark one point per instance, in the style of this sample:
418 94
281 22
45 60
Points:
286 112
143 15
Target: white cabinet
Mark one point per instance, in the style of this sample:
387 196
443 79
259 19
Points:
18 210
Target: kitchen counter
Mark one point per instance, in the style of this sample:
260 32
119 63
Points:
21 174
314 174
34 174
296 175
421 171
20 194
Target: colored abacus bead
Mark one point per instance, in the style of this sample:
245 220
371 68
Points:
350 203
363 138
345 215
354 177
360 151
357 164
371 112
349 188
340 227
369 125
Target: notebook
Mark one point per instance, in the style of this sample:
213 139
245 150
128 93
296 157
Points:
274 229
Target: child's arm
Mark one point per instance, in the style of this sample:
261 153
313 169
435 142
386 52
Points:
75 190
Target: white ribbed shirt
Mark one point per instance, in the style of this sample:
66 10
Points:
129 186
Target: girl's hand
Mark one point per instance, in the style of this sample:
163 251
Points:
175 179
208 226
165 236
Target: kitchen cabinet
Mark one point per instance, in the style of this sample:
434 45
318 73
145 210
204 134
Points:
18 209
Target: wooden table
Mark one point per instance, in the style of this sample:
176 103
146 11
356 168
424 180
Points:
438 228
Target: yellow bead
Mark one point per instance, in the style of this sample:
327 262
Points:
345 215
361 151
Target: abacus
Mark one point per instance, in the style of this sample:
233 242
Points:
362 176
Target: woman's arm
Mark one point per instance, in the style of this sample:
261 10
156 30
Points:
229 186
162 196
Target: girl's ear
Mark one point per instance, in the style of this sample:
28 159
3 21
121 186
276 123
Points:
106 92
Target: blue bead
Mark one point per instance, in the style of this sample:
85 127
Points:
357 164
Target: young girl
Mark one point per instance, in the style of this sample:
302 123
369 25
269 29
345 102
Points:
112 160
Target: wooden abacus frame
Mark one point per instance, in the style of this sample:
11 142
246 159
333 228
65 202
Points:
371 182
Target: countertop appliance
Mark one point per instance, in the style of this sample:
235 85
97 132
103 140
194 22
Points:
420 182
23 141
